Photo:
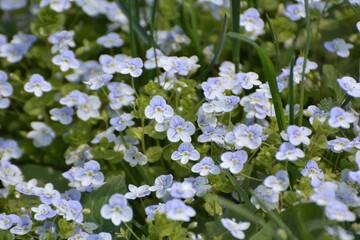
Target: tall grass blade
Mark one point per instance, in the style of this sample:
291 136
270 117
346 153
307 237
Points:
275 218
136 25
270 76
291 93
306 54
276 44
219 49
246 215
195 35
235 25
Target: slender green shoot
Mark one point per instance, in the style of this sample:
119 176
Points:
219 49
306 54
270 76
291 94
235 25
276 44
195 35
141 32
275 218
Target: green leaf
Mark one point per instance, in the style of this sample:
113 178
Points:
135 132
45 175
66 229
154 153
219 49
305 220
270 76
235 26
135 23
96 199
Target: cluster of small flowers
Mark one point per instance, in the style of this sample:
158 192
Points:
66 205
17 47
85 178
6 90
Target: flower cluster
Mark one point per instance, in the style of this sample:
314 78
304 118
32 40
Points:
118 123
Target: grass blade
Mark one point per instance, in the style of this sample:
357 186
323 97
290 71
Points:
219 49
136 25
277 49
195 35
275 218
247 215
270 76
235 25
291 93
307 48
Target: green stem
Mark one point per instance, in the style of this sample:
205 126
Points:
235 17
307 48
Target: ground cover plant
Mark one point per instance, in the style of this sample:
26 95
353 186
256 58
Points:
179 119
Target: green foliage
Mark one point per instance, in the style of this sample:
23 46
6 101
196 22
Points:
96 199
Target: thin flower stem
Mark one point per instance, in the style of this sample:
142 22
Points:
133 233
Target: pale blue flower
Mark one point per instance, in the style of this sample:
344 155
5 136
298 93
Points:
120 123
182 190
90 109
211 134
74 98
117 210
9 150
90 174
180 129
23 226
236 229
63 115
66 60
185 152
200 184
43 212
340 118
71 194
268 195
158 109
162 183
42 134
340 144
99 236
248 80
6 89
287 151
154 209
294 11
279 182
37 85
206 166
297 135
350 86
245 136
134 157
177 210
324 193
61 40
132 66
339 212
138 192
339 46
27 188
47 194
313 171
6 221
110 40
234 161
97 81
